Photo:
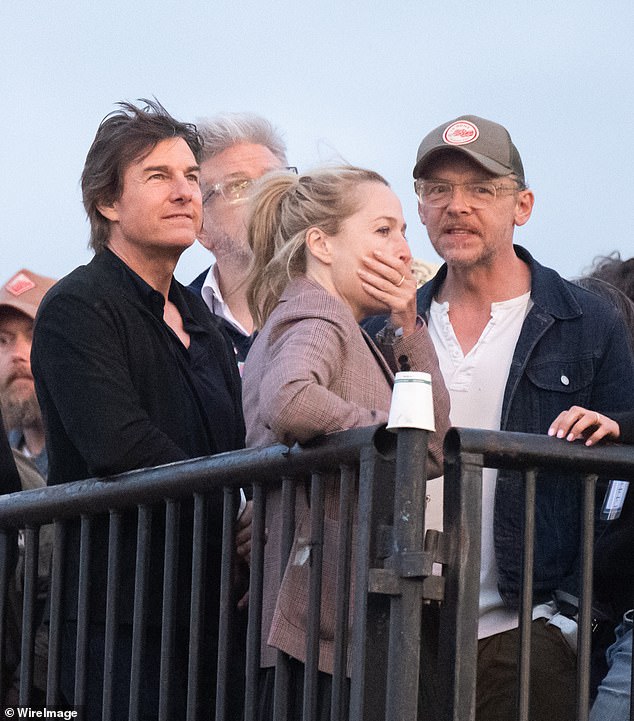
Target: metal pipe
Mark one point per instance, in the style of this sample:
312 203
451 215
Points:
526 598
179 480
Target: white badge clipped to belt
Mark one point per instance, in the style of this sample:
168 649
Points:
614 500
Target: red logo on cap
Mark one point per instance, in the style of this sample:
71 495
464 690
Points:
19 284
460 133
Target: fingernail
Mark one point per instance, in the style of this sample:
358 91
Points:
560 434
571 437
551 431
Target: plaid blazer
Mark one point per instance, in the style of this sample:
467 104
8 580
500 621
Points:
311 370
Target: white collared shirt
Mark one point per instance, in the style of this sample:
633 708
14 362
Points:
476 383
215 302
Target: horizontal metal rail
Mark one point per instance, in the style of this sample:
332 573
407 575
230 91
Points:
182 479
503 449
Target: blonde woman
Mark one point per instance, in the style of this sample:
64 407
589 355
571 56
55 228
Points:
329 250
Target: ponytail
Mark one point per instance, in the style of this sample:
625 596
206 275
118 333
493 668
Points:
282 209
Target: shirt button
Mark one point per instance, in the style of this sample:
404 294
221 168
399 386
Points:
565 380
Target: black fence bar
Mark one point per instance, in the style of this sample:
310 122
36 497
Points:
407 564
31 557
282 671
83 612
197 606
584 637
339 696
168 623
370 631
7 542
315 561
254 629
458 634
631 688
526 596
86 502
112 613
139 613
226 606
53 696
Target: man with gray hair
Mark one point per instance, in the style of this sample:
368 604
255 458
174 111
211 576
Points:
239 148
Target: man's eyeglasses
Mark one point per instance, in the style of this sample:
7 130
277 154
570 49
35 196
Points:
438 193
237 189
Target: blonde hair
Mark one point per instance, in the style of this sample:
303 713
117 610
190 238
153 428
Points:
282 209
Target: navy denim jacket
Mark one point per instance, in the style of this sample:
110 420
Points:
572 350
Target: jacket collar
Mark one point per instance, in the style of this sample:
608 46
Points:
549 291
135 289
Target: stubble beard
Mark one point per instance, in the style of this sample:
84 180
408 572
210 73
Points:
20 412
224 247
457 258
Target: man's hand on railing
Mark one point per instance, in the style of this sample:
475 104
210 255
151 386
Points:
578 422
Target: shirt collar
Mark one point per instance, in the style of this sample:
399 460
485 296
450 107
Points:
151 298
215 302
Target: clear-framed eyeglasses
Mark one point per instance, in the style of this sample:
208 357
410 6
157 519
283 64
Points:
477 195
236 190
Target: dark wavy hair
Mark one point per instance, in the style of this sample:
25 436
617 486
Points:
125 135
616 271
619 300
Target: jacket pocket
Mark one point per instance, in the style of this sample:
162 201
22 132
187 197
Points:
565 376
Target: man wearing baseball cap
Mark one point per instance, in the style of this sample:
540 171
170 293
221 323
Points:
20 298
517 344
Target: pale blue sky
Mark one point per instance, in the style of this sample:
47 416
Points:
357 81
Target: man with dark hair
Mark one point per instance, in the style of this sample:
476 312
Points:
131 371
239 148
124 137
616 271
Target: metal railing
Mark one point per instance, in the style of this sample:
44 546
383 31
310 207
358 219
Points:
389 607
467 452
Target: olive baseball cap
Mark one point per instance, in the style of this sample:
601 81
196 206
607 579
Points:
24 292
487 143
